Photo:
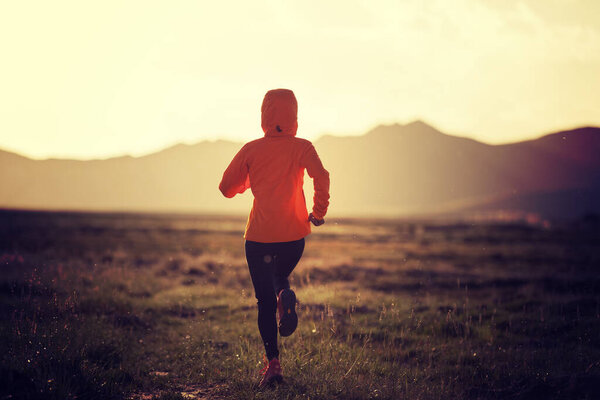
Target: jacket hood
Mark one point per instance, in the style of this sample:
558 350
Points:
279 113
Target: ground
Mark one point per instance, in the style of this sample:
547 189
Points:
141 306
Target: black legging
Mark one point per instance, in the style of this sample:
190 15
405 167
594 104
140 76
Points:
270 265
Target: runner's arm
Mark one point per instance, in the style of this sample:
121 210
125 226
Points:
320 176
235 178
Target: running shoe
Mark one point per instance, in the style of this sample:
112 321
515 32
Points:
271 372
286 309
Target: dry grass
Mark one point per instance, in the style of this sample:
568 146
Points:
143 306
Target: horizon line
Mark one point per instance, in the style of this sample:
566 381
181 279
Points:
321 136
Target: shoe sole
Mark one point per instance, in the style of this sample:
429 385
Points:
289 320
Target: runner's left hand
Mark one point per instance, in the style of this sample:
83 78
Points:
315 220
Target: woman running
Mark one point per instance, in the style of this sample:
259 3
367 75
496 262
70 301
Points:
273 168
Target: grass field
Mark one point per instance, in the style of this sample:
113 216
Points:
101 306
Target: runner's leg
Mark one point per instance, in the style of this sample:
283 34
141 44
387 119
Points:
261 265
288 255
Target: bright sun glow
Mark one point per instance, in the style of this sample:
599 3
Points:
97 79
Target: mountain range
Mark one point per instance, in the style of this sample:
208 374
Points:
392 170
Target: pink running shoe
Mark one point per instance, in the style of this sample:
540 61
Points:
271 372
286 310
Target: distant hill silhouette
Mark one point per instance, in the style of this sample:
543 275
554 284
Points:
408 169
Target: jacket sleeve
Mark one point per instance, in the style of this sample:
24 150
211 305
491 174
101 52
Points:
235 178
320 176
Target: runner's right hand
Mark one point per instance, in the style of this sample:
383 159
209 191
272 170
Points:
315 221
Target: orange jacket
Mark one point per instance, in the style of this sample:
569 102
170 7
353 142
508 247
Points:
273 167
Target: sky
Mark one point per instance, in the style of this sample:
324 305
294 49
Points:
84 80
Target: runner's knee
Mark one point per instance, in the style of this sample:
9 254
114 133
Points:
267 303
